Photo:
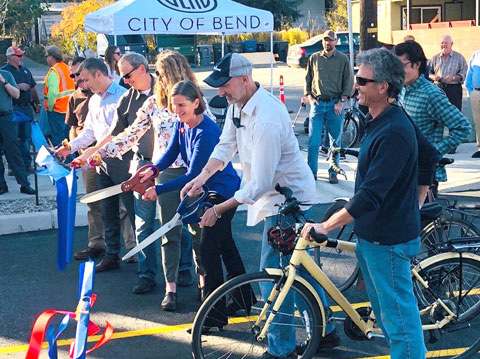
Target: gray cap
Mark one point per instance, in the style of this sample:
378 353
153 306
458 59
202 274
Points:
229 66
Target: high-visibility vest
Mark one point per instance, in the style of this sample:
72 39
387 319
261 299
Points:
66 86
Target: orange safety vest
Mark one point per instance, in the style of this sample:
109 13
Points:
66 87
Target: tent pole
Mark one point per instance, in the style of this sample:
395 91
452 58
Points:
223 45
350 33
271 62
115 40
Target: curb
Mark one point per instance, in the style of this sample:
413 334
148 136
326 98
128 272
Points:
38 221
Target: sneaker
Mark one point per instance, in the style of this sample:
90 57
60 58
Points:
184 278
331 340
476 155
144 285
332 178
267 355
88 253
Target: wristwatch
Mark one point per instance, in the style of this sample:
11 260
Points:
4 82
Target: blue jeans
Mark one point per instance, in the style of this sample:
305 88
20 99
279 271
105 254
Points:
144 226
323 114
386 270
58 129
281 334
186 256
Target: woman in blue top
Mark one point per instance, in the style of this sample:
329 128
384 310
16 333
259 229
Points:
195 136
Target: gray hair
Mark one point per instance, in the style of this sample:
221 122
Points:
93 65
386 67
54 52
134 59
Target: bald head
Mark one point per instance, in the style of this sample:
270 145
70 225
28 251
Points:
446 43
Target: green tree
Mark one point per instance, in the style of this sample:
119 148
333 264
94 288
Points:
20 18
337 18
285 12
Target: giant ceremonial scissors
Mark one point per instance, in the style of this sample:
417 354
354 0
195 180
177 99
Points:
132 184
186 214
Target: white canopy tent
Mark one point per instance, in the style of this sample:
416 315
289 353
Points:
201 17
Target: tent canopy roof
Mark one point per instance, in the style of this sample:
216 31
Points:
208 17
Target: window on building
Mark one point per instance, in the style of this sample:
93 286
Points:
421 14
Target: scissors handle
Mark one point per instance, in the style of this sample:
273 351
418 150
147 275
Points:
190 213
133 183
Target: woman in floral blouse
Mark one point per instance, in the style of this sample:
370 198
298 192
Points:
171 67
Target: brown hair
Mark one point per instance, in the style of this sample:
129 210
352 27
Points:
172 67
191 91
110 59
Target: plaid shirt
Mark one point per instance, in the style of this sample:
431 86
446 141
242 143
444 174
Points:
454 64
430 109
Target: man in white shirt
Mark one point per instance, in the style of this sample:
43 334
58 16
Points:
258 127
101 113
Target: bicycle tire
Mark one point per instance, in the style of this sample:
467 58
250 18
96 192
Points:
349 132
231 342
460 338
442 229
341 267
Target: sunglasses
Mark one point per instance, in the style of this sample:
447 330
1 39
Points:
117 53
128 74
237 120
18 55
72 76
362 81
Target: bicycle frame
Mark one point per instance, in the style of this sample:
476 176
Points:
301 257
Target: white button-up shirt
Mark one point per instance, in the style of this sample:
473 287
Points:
269 154
101 112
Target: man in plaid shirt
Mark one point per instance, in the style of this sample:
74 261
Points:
428 106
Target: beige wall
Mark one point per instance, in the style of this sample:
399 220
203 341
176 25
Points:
466 40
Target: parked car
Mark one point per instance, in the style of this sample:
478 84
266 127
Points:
298 54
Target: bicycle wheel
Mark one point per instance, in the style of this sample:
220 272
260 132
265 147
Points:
349 132
237 338
440 231
457 283
340 266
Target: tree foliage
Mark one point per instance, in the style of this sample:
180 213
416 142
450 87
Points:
20 18
285 12
72 25
337 18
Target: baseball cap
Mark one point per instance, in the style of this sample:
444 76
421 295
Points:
229 66
329 33
13 50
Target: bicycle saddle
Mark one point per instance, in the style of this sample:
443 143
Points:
431 211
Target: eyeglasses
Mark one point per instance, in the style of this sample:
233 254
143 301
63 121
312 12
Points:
128 74
18 55
117 53
406 63
362 81
72 76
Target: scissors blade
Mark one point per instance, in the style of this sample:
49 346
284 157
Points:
101 194
175 221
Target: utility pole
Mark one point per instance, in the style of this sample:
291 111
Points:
368 24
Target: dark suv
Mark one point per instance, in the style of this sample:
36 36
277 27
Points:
298 54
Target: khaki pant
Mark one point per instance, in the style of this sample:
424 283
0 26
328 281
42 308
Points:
475 104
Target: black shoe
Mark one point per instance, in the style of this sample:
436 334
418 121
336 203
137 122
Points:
184 278
169 302
332 178
88 253
27 190
144 285
3 190
107 264
330 340
476 155
324 150
267 355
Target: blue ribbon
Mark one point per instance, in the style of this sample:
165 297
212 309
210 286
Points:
38 138
52 337
21 117
87 274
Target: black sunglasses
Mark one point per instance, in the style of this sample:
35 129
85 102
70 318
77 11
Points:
18 56
117 53
362 81
72 76
237 120
128 74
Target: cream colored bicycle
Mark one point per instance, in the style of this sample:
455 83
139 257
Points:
446 285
